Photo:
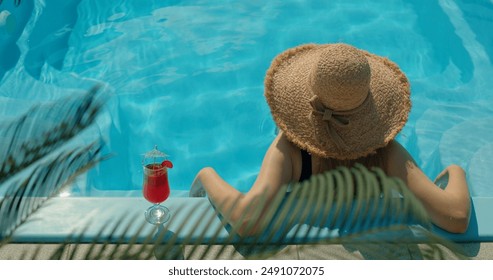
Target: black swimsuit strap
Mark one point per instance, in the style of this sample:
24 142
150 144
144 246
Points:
306 165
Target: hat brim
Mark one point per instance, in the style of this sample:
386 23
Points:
373 126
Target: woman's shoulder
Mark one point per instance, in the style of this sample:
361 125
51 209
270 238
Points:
394 146
291 152
285 144
400 163
395 151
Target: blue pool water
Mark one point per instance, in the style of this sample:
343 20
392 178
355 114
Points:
188 76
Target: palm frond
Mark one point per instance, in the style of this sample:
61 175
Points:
44 129
364 210
26 195
40 159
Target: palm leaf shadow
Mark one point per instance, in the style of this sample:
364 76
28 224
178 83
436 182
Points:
364 210
40 157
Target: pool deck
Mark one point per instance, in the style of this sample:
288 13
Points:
473 250
121 217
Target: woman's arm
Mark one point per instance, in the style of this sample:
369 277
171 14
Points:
449 208
276 171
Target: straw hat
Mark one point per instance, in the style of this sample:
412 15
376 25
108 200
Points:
336 101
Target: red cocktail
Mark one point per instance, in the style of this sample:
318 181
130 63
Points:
155 186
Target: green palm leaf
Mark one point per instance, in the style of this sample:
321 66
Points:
364 210
40 159
43 129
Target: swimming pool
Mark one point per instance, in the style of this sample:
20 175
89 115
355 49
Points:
188 76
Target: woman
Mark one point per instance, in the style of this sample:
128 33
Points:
337 105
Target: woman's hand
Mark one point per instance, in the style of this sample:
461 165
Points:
452 170
197 189
442 179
